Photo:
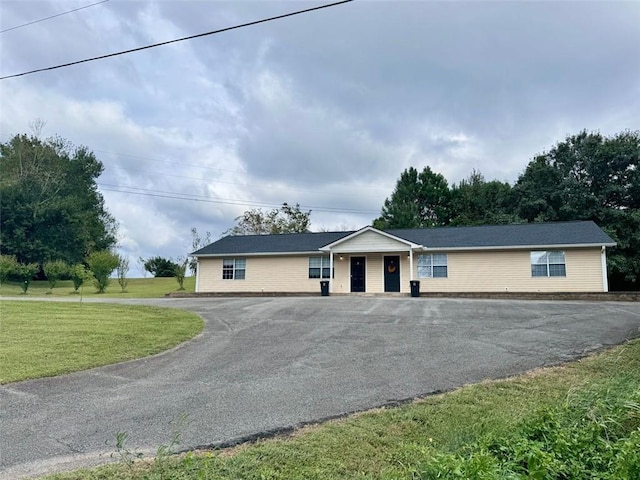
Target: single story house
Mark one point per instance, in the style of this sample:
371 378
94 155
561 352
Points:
534 257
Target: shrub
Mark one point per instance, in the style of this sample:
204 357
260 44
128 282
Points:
54 271
160 267
25 272
181 272
78 274
121 271
102 264
8 264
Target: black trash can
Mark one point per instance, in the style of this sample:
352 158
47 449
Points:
415 288
324 288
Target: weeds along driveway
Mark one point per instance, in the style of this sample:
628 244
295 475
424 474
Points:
263 364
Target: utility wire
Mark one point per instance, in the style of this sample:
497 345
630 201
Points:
198 198
52 16
213 32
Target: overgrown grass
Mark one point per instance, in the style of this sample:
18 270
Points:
579 421
136 288
42 339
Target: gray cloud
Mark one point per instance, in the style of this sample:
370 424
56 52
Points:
323 109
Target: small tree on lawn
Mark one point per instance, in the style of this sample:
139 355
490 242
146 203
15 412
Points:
121 270
197 242
54 271
181 271
102 264
78 274
8 264
25 272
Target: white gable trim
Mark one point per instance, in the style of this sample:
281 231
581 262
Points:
332 246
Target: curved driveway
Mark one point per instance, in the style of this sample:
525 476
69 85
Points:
263 364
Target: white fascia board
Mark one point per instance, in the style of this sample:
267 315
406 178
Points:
369 250
258 254
519 247
332 245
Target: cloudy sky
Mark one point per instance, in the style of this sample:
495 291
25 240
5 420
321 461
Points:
324 109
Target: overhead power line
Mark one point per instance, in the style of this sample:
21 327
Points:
191 37
52 16
226 201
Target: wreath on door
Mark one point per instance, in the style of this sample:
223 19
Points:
391 268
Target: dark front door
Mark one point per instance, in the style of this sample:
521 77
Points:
357 274
392 274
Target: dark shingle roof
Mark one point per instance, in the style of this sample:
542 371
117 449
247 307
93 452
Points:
517 235
283 243
520 235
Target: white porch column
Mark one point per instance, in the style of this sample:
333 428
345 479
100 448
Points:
605 280
331 271
411 263
197 274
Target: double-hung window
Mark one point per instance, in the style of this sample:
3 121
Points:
234 268
549 263
432 265
319 267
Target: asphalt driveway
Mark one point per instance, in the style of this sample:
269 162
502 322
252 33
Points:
263 364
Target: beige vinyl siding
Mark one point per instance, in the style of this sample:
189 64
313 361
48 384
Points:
510 271
468 271
263 274
370 242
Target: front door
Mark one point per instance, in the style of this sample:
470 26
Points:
392 274
357 274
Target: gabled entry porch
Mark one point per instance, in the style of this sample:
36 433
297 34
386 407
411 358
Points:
371 261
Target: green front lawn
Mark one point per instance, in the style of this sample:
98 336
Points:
136 288
43 339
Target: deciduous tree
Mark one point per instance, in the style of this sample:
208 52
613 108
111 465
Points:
24 273
78 274
54 271
181 272
102 265
160 267
590 177
474 201
197 242
121 271
286 219
51 208
8 264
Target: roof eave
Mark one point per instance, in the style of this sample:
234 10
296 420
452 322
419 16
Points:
521 247
255 254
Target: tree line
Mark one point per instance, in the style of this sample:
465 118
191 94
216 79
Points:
52 210
587 176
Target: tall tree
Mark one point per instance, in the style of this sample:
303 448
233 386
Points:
51 208
286 219
420 199
474 201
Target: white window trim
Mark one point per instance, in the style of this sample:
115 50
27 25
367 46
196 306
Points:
431 265
546 253
324 260
235 268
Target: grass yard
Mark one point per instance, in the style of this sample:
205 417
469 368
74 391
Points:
578 421
43 339
136 288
